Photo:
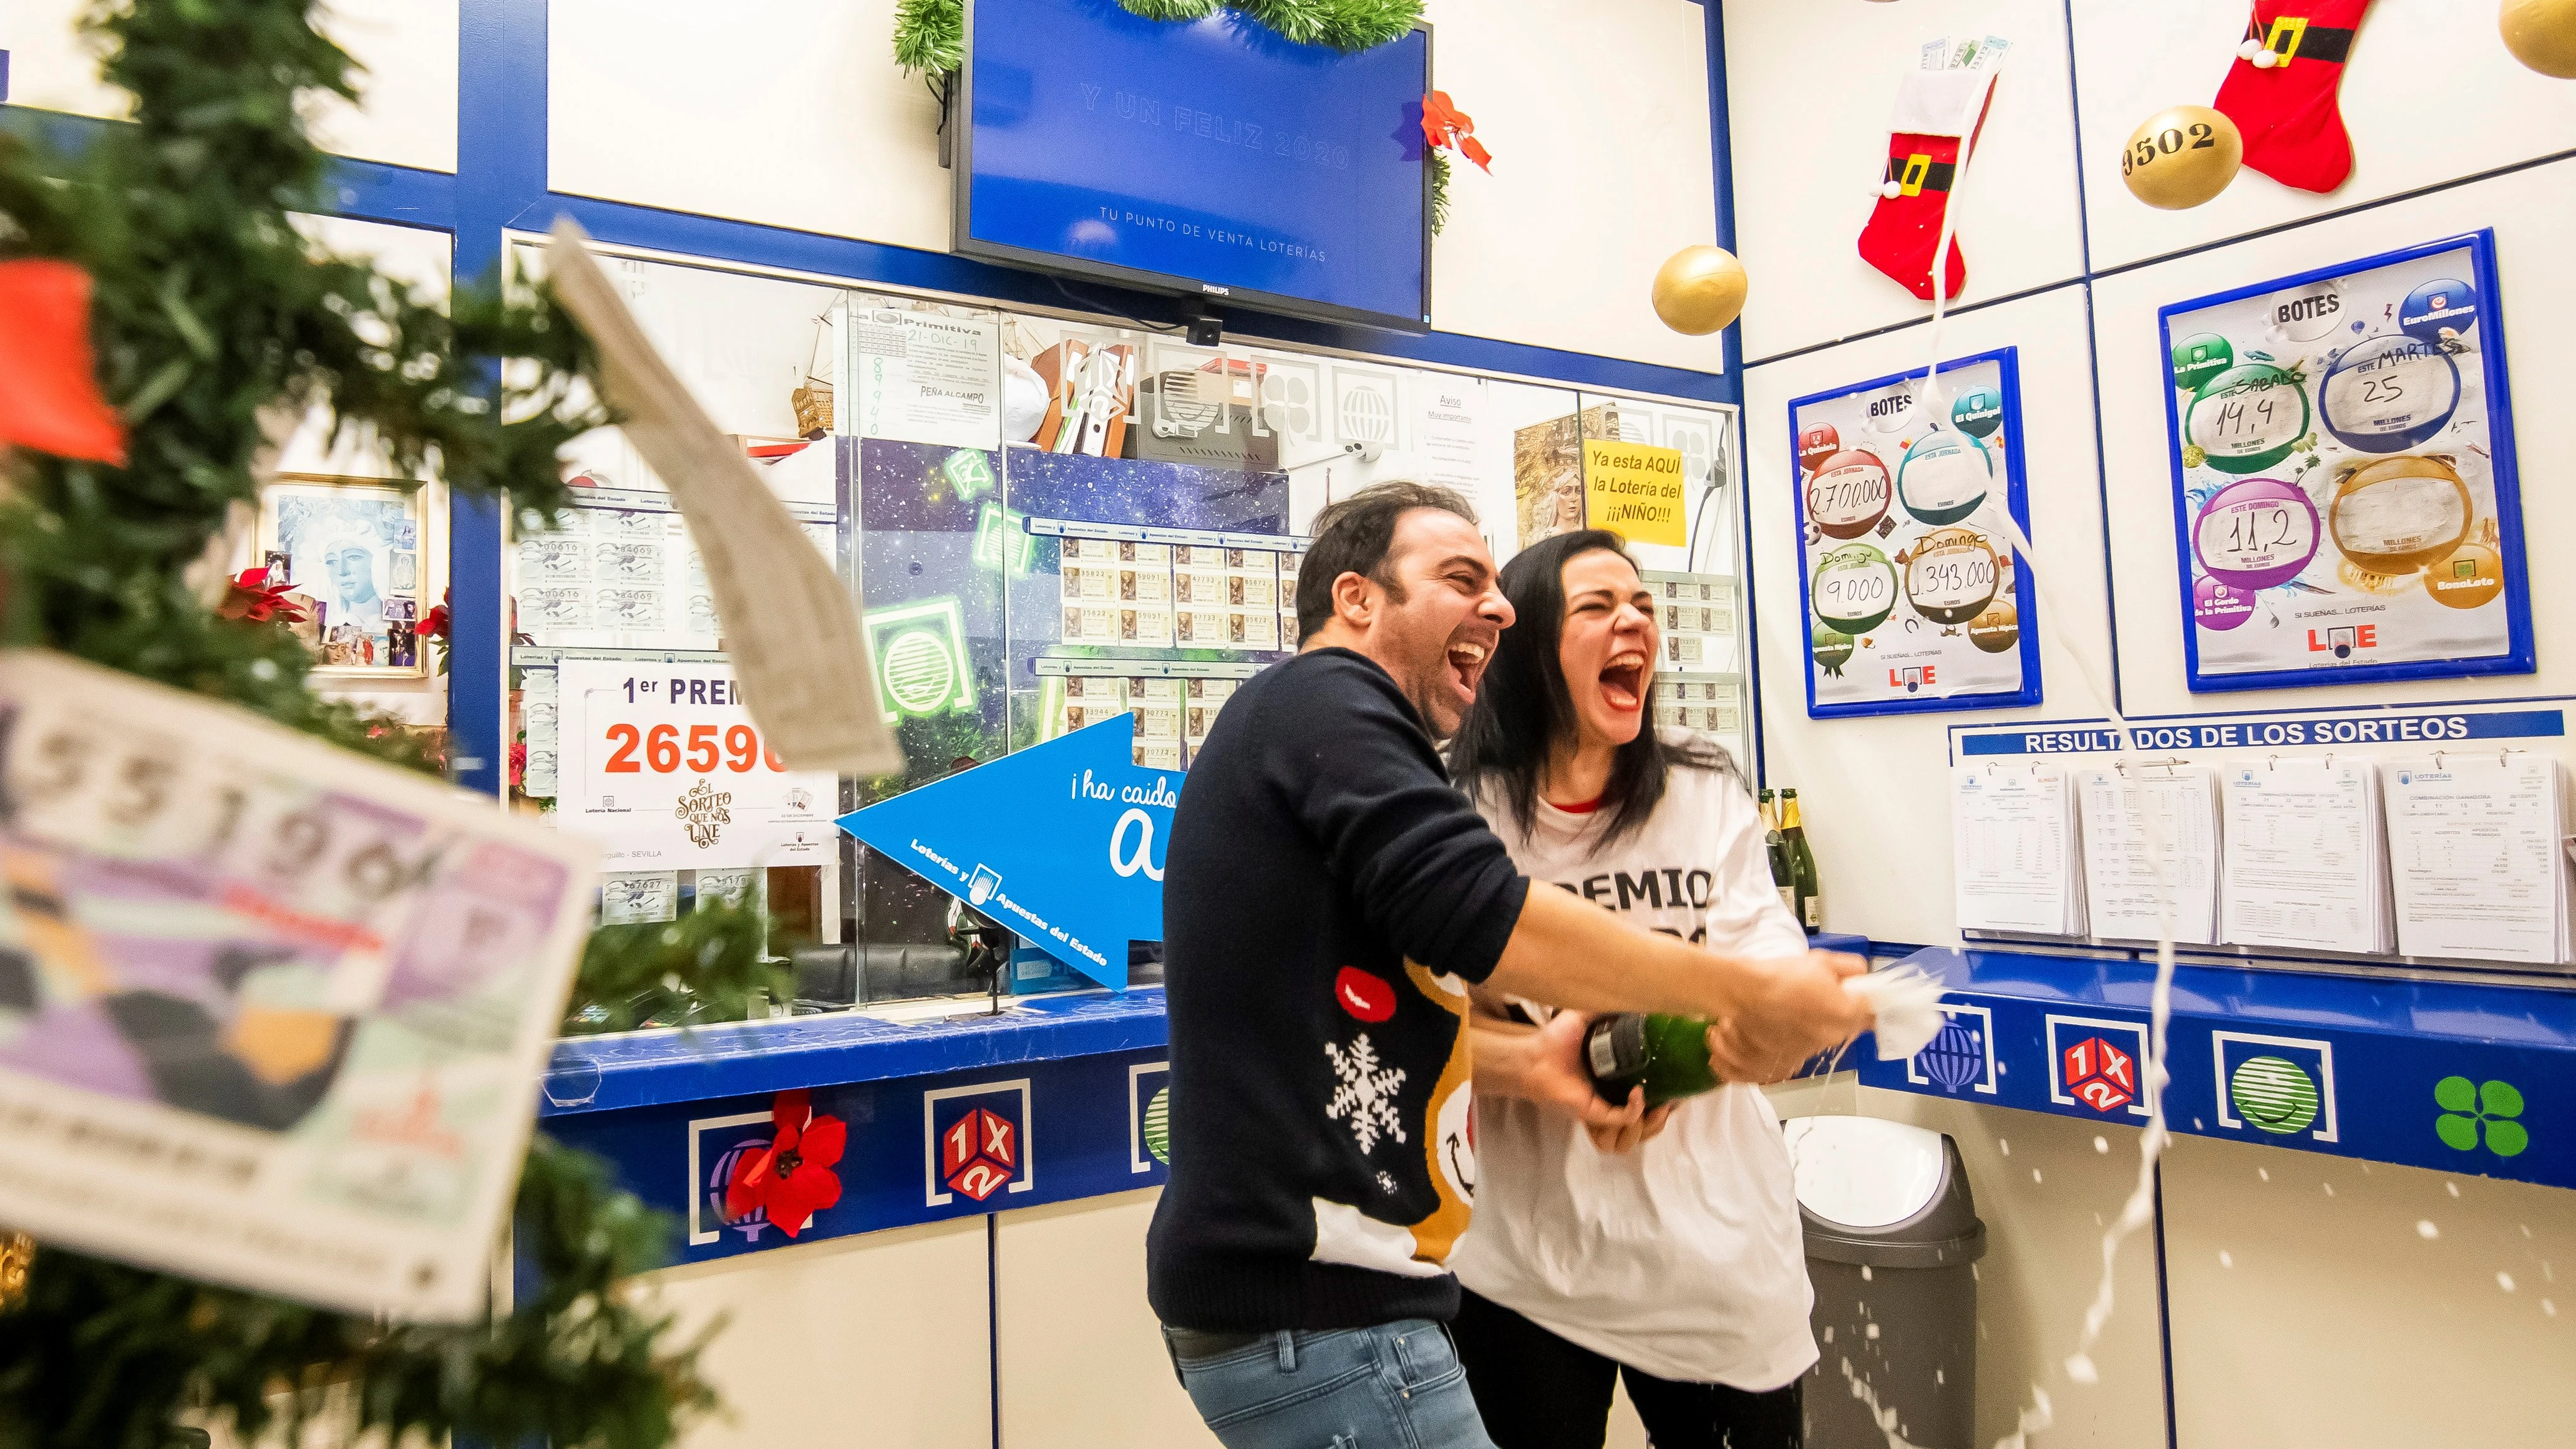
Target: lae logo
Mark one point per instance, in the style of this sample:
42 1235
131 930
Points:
2281 1086
2472 1111
976 1141
2098 1064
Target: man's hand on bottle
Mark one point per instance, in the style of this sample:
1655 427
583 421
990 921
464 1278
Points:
1556 1078
1786 1010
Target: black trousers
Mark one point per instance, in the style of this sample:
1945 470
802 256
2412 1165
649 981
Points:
1537 1391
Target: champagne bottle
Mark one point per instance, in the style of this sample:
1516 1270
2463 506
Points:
1802 863
1666 1055
1775 846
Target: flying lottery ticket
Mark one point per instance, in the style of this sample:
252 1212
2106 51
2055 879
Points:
271 1014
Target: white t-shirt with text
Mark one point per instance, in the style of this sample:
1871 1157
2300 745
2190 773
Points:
1683 1258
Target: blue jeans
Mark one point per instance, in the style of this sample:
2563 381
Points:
1395 1386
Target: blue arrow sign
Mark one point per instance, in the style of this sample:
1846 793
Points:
1062 844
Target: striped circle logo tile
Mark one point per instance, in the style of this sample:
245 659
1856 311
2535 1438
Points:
2274 1094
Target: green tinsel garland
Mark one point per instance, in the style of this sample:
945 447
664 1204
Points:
930 41
209 316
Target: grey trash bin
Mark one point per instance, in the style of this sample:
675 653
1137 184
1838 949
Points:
1892 1234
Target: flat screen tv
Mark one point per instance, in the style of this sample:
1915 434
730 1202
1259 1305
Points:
1213 159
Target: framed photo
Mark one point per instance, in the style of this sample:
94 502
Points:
1908 499
2346 501
353 553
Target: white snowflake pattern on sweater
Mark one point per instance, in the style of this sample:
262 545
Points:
1366 1095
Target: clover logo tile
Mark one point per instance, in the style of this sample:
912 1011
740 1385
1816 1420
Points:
2480 1112
2097 1064
976 1141
2280 1086
1149 1116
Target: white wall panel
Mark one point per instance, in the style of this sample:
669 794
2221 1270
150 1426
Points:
1875 789
785 112
407 110
883 1338
1810 85
2533 212
2429 94
2310 1307
1081 1357
1597 114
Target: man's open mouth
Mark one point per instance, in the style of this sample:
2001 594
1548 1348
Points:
1467 661
1623 680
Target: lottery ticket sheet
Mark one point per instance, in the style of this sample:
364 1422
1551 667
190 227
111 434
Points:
271 1014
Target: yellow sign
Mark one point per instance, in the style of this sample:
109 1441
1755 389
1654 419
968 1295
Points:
1634 491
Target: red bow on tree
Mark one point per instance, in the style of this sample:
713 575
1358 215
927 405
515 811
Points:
49 397
251 596
1444 125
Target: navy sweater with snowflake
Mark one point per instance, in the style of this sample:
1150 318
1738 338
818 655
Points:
1326 899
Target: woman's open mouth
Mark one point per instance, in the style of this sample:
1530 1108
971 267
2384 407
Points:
1623 681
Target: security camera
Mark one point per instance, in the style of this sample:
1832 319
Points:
1365 452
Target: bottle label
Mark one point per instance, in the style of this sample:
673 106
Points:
1789 898
1815 913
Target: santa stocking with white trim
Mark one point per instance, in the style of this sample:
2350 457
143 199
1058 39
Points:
1936 111
2281 92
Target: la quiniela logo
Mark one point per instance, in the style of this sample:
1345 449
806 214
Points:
704 812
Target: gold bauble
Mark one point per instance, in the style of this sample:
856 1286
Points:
2541 34
2182 156
1700 289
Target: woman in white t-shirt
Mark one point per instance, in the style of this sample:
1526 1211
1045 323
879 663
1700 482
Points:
1665 1247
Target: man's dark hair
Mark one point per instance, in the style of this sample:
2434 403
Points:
1525 707
1353 537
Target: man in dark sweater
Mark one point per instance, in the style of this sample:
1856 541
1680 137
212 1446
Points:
1327 901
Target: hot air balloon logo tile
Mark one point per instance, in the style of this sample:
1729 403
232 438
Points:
1149 1116
2274 1086
1962 1056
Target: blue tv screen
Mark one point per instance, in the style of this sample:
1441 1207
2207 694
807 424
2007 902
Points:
1213 158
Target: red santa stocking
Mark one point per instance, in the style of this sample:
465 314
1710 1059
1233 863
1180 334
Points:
1935 111
2281 91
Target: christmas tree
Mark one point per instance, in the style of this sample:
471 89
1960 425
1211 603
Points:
214 328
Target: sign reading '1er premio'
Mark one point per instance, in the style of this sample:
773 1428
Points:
1909 491
2344 481
665 767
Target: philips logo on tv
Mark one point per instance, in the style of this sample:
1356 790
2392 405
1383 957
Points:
1215 291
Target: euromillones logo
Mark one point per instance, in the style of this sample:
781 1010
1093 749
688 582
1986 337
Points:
704 812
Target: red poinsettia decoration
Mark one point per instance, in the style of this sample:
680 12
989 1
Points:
791 1179
251 596
519 764
1445 126
434 626
49 397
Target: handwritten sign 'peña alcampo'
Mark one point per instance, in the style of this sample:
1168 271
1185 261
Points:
1634 491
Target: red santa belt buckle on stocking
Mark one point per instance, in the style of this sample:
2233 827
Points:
2282 93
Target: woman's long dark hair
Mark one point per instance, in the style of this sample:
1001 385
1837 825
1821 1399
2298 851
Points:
1523 706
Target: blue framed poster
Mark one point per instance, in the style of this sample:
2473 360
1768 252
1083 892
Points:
1907 572
2346 503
